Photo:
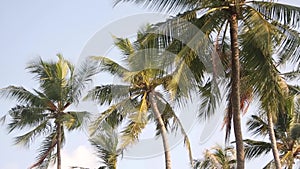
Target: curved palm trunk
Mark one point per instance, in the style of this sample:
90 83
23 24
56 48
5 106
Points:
235 89
163 130
58 144
273 140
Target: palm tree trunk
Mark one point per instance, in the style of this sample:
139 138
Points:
273 140
235 89
163 130
58 144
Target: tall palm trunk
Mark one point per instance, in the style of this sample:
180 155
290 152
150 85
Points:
58 144
273 140
162 129
235 89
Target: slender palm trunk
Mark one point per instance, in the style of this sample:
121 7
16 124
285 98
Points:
273 140
163 130
58 144
235 89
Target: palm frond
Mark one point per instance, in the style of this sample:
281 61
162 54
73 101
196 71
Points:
46 152
131 132
3 119
52 77
26 116
114 115
217 158
108 93
291 75
286 14
256 148
74 120
257 125
108 65
260 32
41 129
289 47
21 95
210 95
81 77
164 5
124 45
106 144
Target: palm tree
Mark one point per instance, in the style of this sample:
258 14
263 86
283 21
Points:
106 144
286 131
217 157
266 24
138 101
45 110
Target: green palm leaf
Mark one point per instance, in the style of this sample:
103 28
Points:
286 14
30 136
108 93
21 95
74 120
26 116
256 148
106 144
108 65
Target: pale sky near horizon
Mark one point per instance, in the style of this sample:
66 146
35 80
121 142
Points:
32 28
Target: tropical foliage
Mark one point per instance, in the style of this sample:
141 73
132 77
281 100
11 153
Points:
236 43
106 144
286 131
145 94
45 111
217 157
265 28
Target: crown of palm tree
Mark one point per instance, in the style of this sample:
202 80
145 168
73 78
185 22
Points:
44 110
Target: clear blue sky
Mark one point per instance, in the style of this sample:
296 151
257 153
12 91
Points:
31 28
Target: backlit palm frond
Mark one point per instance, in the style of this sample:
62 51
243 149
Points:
289 47
107 93
260 32
257 125
210 96
40 69
217 157
26 116
114 115
212 22
257 58
80 78
137 121
286 14
164 5
74 120
108 65
46 152
21 95
52 76
125 46
181 83
291 75
106 145
132 131
254 149
26 139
